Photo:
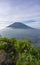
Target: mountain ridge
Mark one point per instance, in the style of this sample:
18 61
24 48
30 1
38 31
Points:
19 25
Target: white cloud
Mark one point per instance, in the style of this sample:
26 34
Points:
34 25
19 10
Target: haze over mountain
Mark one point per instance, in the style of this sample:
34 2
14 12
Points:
20 31
19 25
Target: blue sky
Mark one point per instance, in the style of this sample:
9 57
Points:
26 11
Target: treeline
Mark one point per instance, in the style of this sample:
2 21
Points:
18 52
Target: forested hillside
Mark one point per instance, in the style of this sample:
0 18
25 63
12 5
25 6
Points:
18 52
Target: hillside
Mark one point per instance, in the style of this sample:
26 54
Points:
22 34
16 52
0 35
19 25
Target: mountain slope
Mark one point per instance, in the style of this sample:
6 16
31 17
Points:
19 25
22 32
18 52
0 35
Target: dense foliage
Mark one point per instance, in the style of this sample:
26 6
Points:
19 52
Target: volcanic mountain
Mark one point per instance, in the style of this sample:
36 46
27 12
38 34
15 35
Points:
19 25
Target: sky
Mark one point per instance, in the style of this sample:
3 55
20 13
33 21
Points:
25 11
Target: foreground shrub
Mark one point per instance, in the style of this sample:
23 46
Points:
20 52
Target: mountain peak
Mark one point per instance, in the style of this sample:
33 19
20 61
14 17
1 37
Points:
19 25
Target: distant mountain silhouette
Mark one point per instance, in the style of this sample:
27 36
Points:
19 25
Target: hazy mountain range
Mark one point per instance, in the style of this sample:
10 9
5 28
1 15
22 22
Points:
19 25
21 31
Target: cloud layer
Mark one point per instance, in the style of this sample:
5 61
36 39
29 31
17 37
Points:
19 10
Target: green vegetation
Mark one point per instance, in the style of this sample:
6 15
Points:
18 52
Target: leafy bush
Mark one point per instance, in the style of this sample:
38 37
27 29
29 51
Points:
21 52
